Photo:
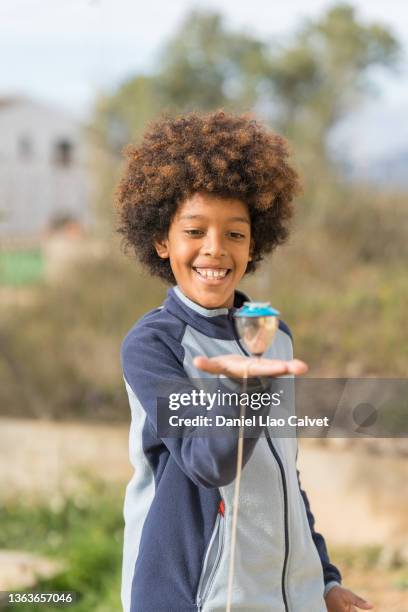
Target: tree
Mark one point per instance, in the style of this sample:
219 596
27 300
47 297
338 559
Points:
323 73
203 67
206 66
304 87
120 118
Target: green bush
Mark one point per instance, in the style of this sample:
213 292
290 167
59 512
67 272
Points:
84 532
59 354
21 267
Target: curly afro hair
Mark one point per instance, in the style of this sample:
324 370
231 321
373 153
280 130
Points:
218 153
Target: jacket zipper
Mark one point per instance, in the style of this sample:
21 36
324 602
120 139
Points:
286 522
283 478
216 545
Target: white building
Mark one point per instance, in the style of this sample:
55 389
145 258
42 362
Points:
43 168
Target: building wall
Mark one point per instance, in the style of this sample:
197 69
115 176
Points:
39 177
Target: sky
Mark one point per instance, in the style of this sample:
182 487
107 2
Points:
67 51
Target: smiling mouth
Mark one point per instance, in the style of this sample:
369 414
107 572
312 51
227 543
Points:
212 274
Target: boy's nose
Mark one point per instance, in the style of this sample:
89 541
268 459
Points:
214 246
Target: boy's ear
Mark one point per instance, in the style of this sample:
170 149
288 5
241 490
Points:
162 248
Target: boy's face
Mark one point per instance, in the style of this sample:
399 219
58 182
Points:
208 245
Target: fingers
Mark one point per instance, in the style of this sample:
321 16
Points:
343 599
277 367
362 603
297 367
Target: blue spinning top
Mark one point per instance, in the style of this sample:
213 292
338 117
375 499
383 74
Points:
256 324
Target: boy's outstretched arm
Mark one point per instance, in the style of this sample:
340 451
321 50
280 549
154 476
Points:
153 361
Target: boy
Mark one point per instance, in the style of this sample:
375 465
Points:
202 200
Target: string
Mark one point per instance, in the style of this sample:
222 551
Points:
240 449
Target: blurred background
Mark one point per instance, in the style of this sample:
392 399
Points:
78 81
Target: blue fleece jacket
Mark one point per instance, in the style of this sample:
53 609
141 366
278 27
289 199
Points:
178 505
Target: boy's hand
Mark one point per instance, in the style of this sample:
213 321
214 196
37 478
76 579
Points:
237 366
339 599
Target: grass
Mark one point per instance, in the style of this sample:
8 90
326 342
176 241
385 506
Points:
362 558
366 572
85 532
19 268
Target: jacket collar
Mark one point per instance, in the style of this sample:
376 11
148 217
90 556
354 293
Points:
216 323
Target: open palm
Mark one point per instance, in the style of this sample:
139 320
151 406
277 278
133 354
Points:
238 366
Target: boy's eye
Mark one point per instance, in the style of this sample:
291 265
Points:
194 232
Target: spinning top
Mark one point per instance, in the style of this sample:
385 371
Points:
256 324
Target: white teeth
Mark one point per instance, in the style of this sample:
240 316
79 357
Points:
211 273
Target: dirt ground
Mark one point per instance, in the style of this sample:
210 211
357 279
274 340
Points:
44 458
358 499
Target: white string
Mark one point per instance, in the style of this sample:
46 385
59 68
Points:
240 449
